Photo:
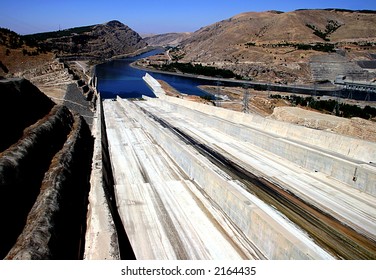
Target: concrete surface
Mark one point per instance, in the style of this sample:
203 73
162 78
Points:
162 218
101 236
190 181
179 206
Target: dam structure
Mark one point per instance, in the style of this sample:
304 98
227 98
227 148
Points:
169 179
192 181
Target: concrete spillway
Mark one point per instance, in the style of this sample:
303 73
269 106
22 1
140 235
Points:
199 182
172 179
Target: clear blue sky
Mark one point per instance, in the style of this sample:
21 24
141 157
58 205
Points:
146 16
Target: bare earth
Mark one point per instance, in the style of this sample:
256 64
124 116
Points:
354 127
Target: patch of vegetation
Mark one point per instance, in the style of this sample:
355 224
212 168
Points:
321 47
198 69
208 97
58 34
276 12
365 44
10 39
316 47
353 11
250 44
329 106
317 32
330 28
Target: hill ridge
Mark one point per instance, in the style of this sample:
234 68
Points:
277 47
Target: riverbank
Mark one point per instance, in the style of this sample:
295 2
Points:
186 75
91 66
303 89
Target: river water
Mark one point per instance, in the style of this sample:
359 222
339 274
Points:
117 77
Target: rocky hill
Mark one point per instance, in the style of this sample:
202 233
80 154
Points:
168 39
97 41
49 60
278 47
24 53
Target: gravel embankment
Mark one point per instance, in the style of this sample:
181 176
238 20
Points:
76 101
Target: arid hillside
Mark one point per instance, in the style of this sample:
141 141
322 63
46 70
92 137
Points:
168 39
279 47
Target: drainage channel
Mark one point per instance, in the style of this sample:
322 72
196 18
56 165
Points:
327 231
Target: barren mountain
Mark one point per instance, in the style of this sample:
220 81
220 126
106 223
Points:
278 47
168 39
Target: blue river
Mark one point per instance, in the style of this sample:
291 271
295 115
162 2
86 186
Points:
117 77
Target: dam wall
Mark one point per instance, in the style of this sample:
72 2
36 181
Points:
346 159
255 224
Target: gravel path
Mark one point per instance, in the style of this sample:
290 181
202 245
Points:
76 101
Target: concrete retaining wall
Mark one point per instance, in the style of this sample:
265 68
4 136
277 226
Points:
350 171
101 240
343 158
119 240
354 148
154 85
